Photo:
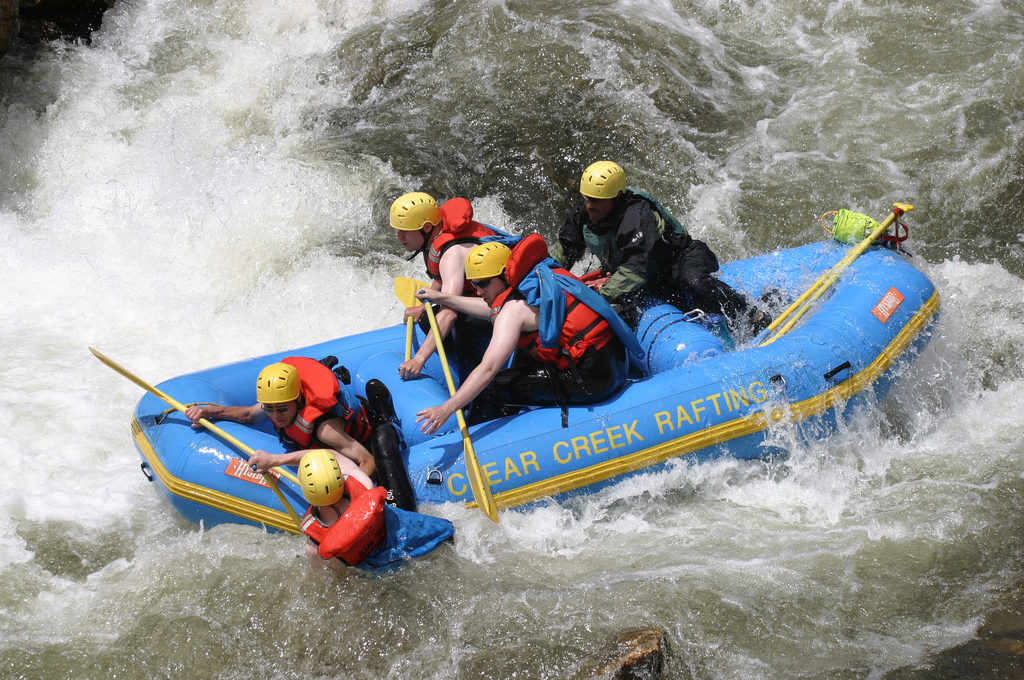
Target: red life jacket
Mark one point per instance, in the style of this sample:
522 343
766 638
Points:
457 226
358 532
319 397
584 329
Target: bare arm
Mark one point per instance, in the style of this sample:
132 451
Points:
350 469
331 433
262 460
515 318
247 415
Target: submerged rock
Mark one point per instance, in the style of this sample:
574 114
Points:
637 655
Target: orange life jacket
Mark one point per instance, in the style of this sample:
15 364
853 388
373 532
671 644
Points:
584 329
319 396
358 532
457 226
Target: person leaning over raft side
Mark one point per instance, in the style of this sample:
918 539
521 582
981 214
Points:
644 249
309 408
444 235
573 344
350 523
331 485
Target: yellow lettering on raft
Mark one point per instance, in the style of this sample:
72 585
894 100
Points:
697 410
595 443
682 416
740 397
758 392
713 398
451 484
511 469
755 392
614 437
631 432
580 444
527 459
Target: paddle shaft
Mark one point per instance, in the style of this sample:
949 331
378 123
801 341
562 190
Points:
207 424
803 303
408 338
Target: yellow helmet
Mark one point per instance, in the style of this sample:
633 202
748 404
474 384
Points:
603 179
413 211
487 260
277 384
320 477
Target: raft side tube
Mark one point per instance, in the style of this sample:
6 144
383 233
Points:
669 339
409 396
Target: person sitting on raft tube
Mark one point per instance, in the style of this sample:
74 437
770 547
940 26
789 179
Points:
345 521
444 236
310 409
642 248
572 345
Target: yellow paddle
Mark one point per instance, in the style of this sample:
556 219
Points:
207 424
803 303
405 289
408 322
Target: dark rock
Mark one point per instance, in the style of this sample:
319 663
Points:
989 657
997 650
637 655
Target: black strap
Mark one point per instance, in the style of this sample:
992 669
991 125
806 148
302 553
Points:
559 393
837 370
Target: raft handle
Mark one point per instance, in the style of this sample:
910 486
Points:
146 471
838 369
695 315
435 477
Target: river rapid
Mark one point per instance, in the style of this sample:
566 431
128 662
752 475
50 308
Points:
208 181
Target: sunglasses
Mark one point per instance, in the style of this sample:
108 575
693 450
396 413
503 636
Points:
482 283
275 408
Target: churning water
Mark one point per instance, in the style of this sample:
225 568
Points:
210 180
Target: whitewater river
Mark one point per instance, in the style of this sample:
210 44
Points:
208 181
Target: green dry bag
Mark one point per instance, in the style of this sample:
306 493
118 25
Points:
852 227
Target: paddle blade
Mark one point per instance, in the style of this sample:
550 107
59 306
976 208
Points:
405 290
481 489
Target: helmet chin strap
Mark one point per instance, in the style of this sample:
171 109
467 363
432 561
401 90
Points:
426 242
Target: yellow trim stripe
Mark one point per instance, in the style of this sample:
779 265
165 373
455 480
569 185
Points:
726 431
206 496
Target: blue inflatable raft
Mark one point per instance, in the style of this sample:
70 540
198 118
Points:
695 396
